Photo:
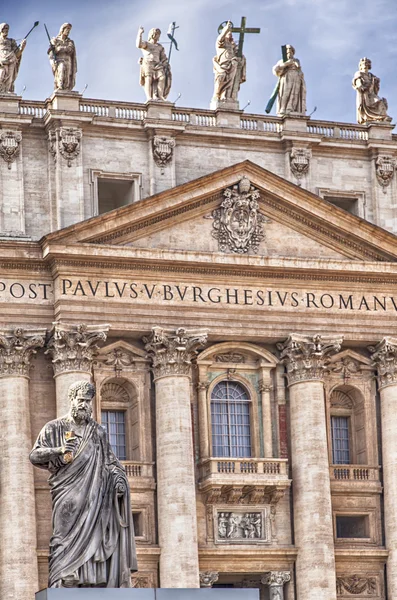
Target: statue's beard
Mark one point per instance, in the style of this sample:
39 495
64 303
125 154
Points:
81 415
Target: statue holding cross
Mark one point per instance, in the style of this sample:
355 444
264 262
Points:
229 64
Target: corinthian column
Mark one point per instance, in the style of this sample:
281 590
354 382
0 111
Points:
171 353
305 358
385 358
72 349
276 580
18 541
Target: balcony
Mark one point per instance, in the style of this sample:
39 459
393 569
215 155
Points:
140 474
245 481
355 478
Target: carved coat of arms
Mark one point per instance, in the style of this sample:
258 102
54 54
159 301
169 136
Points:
163 148
300 161
69 143
10 145
385 166
237 222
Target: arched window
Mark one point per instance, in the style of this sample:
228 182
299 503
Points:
230 417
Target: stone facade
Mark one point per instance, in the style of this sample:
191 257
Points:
225 269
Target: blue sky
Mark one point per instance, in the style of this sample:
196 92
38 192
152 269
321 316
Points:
329 36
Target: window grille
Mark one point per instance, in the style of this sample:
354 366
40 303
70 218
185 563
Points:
340 440
230 414
113 421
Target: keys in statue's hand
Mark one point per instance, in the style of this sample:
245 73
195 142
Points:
70 446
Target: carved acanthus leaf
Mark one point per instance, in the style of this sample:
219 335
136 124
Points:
237 222
306 357
10 143
208 578
384 356
73 347
17 347
276 578
172 351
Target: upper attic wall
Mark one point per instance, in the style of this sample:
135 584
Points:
44 188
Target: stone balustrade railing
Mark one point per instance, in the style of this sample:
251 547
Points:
137 469
33 108
354 473
266 467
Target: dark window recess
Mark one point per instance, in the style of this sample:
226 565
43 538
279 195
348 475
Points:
352 527
349 204
113 421
340 429
113 193
138 525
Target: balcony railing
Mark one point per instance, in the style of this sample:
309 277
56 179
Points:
261 467
354 473
137 469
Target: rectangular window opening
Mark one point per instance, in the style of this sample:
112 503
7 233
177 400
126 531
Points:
231 429
352 527
114 193
340 431
137 518
113 421
348 204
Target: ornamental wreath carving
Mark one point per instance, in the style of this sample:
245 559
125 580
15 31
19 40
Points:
163 148
356 585
69 143
10 143
385 166
237 222
299 159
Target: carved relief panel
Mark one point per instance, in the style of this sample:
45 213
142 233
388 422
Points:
242 525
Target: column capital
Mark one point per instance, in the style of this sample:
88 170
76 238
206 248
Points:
172 351
72 347
208 578
384 356
306 356
17 347
276 578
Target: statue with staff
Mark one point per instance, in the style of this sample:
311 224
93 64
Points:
290 89
155 72
62 53
229 64
10 58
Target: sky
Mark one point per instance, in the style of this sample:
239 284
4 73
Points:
330 37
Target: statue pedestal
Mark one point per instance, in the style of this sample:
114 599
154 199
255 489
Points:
64 100
380 131
9 103
159 109
147 594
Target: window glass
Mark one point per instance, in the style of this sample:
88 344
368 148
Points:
230 414
340 429
114 423
352 527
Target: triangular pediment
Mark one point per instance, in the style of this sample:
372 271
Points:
293 222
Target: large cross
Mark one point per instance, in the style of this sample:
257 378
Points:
242 30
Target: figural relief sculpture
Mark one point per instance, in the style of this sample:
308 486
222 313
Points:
62 53
370 107
155 73
292 87
10 59
237 222
92 544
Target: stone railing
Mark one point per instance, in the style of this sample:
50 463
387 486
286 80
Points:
137 469
265 467
338 130
199 118
354 473
255 123
32 108
117 110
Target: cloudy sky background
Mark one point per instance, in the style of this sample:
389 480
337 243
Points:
330 36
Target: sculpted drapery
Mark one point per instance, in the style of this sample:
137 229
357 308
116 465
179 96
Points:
63 59
370 107
292 90
155 72
229 68
10 59
92 543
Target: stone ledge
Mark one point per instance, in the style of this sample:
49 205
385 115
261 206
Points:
146 594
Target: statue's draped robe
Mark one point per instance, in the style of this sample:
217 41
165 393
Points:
93 539
369 106
292 90
229 69
9 64
64 67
